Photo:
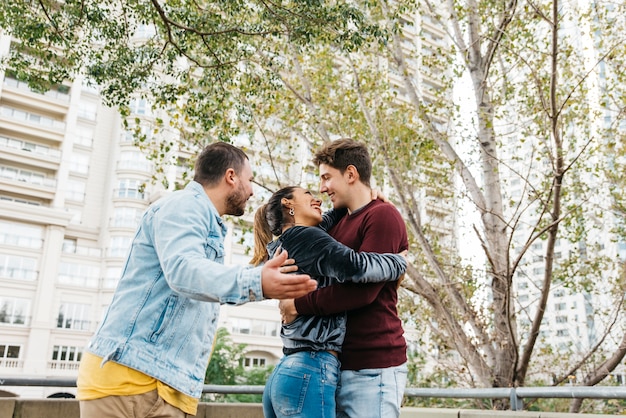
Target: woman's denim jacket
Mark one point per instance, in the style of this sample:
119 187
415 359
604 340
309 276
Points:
328 261
163 316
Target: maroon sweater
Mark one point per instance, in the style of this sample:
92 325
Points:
374 336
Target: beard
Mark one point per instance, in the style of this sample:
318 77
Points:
236 202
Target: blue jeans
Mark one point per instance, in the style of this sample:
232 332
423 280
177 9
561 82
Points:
302 385
371 393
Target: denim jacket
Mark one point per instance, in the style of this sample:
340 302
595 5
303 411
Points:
163 316
328 261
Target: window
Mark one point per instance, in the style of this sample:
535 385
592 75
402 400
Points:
561 319
79 163
126 217
119 246
8 172
253 362
523 298
69 246
130 188
9 351
139 107
112 277
73 316
31 118
28 146
129 135
66 357
255 327
265 328
9 356
20 235
241 326
87 110
18 267
538 271
560 306
22 201
25 176
75 190
134 160
84 136
74 274
14 310
562 333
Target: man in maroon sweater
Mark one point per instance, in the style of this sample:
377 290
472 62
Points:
373 358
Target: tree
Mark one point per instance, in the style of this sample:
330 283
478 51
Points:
540 89
226 368
547 83
225 365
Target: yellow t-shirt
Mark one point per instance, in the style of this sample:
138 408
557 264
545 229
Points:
113 379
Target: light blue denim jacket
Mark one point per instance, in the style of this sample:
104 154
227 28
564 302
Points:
164 312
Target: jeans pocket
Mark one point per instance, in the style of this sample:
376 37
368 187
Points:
289 391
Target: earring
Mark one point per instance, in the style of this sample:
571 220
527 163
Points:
291 211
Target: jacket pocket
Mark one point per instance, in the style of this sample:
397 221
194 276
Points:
214 249
165 318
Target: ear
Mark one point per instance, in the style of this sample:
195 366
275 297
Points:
230 176
352 174
285 202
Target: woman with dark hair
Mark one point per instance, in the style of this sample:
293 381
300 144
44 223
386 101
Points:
304 382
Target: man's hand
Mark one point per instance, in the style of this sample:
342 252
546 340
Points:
378 195
276 284
288 311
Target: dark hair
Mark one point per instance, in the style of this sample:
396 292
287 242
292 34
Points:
341 153
269 220
215 159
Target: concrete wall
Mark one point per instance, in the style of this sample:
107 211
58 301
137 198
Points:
68 408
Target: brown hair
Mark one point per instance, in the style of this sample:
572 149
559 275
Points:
215 159
341 153
269 220
262 237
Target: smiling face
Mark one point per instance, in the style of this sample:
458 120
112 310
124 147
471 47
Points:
306 207
334 184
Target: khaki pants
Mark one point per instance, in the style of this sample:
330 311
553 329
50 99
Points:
146 405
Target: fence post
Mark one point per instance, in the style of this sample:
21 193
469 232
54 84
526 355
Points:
517 404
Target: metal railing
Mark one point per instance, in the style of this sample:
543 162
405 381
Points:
515 395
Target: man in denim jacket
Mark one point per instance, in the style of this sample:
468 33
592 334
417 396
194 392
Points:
149 356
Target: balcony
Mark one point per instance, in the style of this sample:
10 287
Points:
63 365
55 101
29 153
11 363
135 166
130 194
26 183
30 124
